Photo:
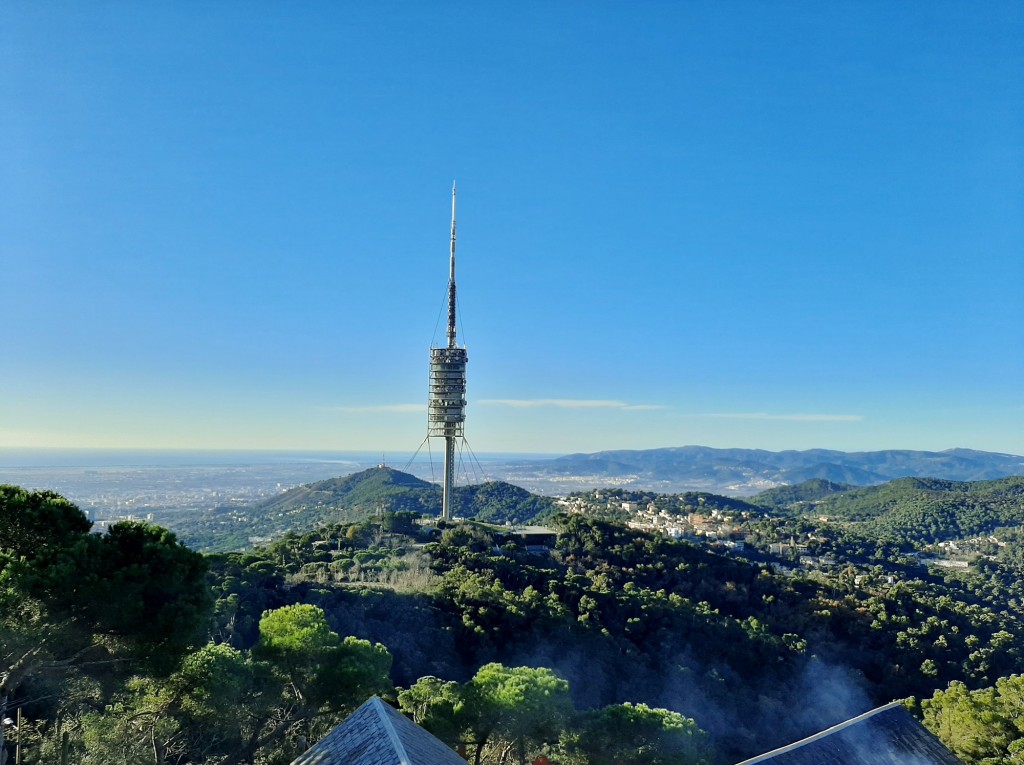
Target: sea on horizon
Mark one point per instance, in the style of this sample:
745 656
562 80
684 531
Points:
58 457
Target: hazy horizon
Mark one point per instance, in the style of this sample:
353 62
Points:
47 457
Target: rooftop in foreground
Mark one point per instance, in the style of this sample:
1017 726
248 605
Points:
889 735
376 734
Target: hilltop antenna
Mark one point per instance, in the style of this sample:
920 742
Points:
446 413
451 280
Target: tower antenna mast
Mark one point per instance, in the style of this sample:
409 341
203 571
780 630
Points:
446 413
451 280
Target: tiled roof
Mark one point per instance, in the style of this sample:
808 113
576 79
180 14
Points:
889 735
376 734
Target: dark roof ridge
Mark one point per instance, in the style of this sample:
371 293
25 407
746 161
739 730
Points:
382 711
820 734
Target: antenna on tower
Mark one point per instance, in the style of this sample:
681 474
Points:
451 280
446 412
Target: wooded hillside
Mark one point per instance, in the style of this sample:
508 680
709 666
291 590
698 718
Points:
116 649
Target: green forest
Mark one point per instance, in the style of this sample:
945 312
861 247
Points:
616 645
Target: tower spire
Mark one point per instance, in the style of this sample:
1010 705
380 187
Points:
451 280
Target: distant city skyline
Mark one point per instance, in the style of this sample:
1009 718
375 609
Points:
776 226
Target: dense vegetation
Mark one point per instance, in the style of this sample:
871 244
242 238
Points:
80 611
801 493
614 646
920 510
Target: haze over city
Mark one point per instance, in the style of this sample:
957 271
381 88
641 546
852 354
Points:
780 226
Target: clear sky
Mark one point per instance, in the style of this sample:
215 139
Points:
736 224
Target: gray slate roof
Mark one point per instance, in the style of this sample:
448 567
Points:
376 734
889 735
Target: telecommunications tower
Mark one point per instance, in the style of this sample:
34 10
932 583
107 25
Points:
446 412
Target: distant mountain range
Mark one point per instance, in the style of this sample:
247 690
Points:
831 482
741 472
903 503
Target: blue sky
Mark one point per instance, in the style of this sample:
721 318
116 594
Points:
737 224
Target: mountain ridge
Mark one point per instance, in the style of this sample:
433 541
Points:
741 472
359 495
